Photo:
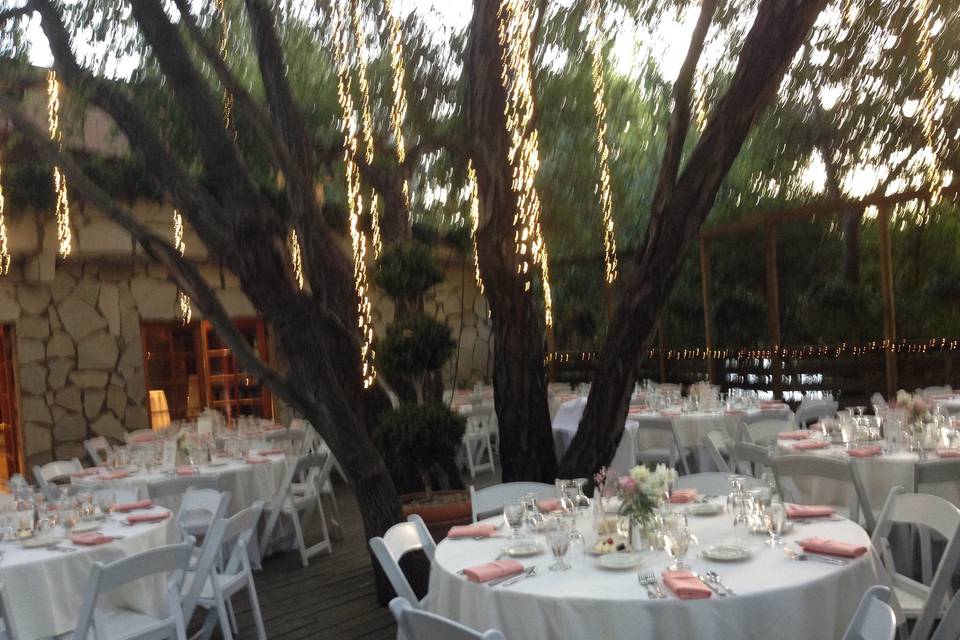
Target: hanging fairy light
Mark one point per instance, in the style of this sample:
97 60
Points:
474 220
364 84
928 103
64 236
398 110
4 248
603 151
224 42
293 244
524 156
184 309
354 198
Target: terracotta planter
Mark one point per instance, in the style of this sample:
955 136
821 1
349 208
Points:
448 508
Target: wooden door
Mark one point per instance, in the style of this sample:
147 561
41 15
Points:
10 456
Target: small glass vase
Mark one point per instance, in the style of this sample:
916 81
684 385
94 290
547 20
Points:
642 533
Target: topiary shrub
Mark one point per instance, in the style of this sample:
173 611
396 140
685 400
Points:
420 435
414 347
405 272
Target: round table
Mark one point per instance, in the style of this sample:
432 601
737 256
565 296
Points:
776 597
45 587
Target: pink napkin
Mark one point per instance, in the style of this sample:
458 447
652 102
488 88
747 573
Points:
471 531
492 570
147 437
793 435
252 460
810 445
147 517
943 452
86 472
734 412
548 504
131 506
808 511
772 405
832 547
683 496
686 585
119 475
267 452
274 427
637 408
186 471
865 452
90 539
670 413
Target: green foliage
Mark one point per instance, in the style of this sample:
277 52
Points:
420 435
406 271
416 346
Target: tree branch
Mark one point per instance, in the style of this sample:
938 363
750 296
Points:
16 12
680 116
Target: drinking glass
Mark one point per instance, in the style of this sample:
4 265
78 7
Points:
105 500
676 539
69 519
563 487
559 541
775 520
580 501
531 514
513 514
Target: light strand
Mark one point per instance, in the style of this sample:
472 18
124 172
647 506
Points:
603 151
64 234
184 308
398 109
4 248
515 34
295 258
928 101
354 197
474 220
224 43
367 119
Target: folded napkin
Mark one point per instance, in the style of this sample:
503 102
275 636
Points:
548 504
686 585
118 475
637 408
809 445
865 452
808 511
670 413
772 405
267 452
252 460
90 539
146 437
943 452
274 427
492 570
683 496
186 471
86 472
793 435
734 412
832 547
471 531
147 517
131 506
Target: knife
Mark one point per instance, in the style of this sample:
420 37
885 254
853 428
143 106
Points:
712 585
503 579
526 574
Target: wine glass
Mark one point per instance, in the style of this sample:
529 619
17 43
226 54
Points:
513 514
531 514
559 541
566 503
581 501
775 520
69 519
105 500
676 539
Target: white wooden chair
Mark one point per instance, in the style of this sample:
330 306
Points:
9 626
814 410
918 601
949 627
55 472
491 499
625 456
874 619
290 440
477 444
199 509
314 443
98 449
715 443
668 455
292 506
783 414
416 624
749 458
937 390
106 622
785 468
211 587
399 540
765 432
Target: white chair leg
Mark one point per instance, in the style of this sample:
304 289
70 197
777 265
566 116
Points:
468 446
255 608
209 624
298 532
233 616
224 618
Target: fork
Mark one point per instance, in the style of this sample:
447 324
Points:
644 579
804 556
727 590
649 581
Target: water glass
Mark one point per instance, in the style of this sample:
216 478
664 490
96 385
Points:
105 500
559 541
513 514
775 520
676 539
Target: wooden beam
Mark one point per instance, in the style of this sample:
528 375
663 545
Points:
889 307
707 316
773 305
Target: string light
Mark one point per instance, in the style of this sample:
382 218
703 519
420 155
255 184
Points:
294 245
224 42
354 197
64 235
603 151
364 85
474 220
398 110
184 309
4 248
928 101
515 29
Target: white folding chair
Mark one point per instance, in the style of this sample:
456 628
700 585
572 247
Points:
211 587
291 505
879 402
716 443
290 440
765 432
416 624
399 540
177 486
918 601
815 410
56 471
843 471
783 414
9 626
749 458
949 627
125 623
668 455
625 456
491 499
199 509
98 449
874 619
477 444
314 443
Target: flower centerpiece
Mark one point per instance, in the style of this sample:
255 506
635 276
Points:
917 409
640 493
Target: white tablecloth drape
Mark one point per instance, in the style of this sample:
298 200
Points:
46 587
777 597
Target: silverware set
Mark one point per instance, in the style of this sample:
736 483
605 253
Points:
650 583
803 556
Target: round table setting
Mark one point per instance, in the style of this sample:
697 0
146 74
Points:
773 596
45 585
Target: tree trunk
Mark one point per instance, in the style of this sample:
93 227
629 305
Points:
779 29
519 381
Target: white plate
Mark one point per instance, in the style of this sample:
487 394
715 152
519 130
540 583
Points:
621 560
86 527
40 543
524 549
726 552
705 509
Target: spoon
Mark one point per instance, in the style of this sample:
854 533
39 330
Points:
795 555
530 571
713 576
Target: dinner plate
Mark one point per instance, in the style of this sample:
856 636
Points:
86 527
40 543
620 560
705 509
524 549
726 552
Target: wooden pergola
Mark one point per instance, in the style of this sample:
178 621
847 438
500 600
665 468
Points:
767 223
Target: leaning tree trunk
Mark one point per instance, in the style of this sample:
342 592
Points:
679 209
519 381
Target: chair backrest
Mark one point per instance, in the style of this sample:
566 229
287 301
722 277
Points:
290 439
934 471
399 540
663 425
781 414
491 499
878 401
754 456
625 455
765 432
949 627
792 466
208 505
98 449
874 618
416 624
105 578
715 442
179 485
813 410
55 471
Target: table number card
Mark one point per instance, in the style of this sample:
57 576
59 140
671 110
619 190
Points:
204 426
169 455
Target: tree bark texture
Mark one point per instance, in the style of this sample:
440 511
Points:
778 31
519 380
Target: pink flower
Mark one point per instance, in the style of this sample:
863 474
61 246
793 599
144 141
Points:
628 484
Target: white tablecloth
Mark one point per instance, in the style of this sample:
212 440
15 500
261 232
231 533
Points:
46 587
777 597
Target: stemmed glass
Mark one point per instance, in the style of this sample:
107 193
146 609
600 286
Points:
569 499
513 514
676 539
566 503
105 500
741 506
580 501
775 520
531 514
559 541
